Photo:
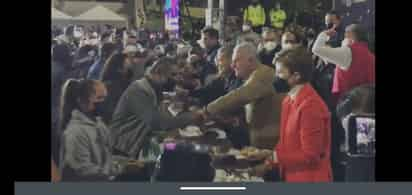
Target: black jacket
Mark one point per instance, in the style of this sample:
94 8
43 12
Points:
267 57
218 87
210 92
115 89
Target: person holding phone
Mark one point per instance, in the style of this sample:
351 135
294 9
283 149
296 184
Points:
334 20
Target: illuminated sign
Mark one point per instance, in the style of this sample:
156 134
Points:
171 12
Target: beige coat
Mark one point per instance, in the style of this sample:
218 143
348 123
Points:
262 105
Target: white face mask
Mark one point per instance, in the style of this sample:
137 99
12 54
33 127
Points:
92 53
94 42
77 34
346 42
246 28
288 46
271 45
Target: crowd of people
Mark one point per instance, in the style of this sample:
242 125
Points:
277 90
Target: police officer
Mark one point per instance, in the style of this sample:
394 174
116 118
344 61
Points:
255 14
277 17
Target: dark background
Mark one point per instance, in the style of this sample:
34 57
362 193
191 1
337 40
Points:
26 93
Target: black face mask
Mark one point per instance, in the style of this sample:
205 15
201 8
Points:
255 3
281 85
311 35
170 85
99 109
329 25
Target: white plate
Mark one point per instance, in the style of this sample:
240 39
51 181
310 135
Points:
190 131
171 108
220 133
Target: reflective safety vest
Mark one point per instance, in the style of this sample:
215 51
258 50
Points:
256 15
277 18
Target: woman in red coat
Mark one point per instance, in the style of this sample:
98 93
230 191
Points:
303 152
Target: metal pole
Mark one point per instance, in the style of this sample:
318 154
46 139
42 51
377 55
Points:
209 13
222 20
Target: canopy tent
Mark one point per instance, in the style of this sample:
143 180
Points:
60 18
100 15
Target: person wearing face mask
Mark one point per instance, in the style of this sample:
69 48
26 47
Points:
217 87
324 71
277 17
303 151
333 20
290 40
138 115
355 65
87 144
269 47
310 39
255 14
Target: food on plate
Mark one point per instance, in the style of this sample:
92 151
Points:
190 131
249 151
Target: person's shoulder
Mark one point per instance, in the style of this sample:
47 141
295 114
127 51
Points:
262 74
265 70
74 130
312 101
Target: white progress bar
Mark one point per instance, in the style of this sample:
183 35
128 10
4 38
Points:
213 188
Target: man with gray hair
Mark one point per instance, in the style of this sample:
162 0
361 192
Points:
138 114
262 104
355 64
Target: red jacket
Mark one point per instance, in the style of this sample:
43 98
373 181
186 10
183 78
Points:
303 152
361 70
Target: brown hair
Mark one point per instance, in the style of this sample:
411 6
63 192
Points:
296 60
